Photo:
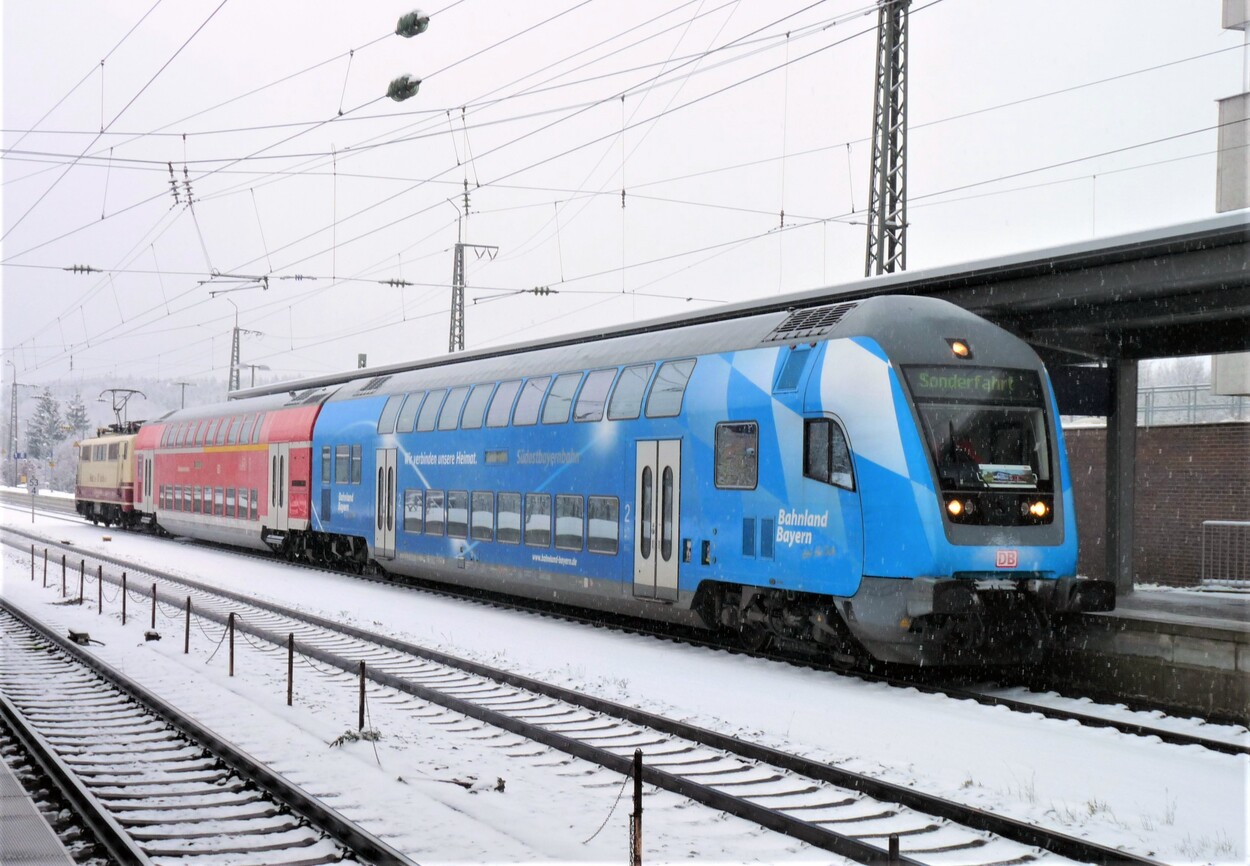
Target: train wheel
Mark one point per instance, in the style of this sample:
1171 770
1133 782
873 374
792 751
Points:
756 637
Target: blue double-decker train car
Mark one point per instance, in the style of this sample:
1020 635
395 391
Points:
883 478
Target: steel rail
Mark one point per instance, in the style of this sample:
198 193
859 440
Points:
967 816
89 811
1130 728
348 834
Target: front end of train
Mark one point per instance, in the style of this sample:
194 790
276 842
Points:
970 542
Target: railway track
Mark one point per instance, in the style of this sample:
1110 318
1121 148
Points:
150 784
850 814
1087 715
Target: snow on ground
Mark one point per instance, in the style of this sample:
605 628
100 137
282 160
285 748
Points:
1179 804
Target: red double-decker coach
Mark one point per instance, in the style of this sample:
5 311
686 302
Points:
236 473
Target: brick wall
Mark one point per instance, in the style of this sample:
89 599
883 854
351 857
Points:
1185 475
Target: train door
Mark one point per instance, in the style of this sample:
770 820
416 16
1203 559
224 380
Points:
384 506
657 501
279 483
144 473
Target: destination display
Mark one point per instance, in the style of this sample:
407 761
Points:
974 384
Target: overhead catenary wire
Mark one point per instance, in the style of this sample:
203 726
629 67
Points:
634 185
68 168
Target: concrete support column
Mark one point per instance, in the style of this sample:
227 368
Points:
1121 473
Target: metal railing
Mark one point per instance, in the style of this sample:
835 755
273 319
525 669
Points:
1188 404
1226 553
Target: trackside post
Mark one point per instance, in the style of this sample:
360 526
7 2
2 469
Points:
360 725
32 563
186 635
153 606
290 667
635 827
82 579
230 629
99 589
123 598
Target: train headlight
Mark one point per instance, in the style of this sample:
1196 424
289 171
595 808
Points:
960 349
1038 509
954 507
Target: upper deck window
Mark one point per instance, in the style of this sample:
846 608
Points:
560 398
501 406
408 415
669 388
390 411
627 398
429 411
526 412
475 407
260 419
594 395
450 416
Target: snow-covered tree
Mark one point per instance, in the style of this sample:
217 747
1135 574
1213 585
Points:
44 430
76 416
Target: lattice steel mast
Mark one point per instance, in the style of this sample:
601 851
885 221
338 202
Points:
887 206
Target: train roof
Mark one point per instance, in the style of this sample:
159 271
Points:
701 334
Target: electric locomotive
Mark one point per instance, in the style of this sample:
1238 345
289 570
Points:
104 481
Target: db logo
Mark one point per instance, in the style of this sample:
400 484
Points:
1006 558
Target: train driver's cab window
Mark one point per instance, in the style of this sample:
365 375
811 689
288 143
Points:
737 455
86 454
501 406
669 388
594 395
826 456
560 398
627 398
526 412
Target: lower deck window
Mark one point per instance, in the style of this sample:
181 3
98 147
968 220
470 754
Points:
508 518
538 519
570 524
458 513
603 524
482 516
435 513
826 456
414 513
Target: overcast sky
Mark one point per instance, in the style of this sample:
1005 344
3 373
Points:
300 169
